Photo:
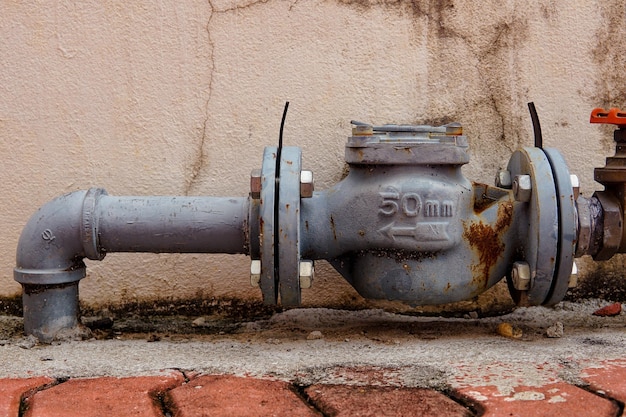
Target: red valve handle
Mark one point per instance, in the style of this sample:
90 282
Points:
613 116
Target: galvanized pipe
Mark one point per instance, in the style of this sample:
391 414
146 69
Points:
173 224
90 224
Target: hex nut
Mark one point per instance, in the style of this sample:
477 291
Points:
255 184
306 184
307 273
255 273
520 276
503 179
612 225
522 188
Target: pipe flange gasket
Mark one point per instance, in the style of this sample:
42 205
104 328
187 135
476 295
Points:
288 207
567 226
268 281
539 235
89 225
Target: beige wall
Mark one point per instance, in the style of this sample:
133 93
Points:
180 97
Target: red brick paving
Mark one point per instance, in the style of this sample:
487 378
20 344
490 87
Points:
231 396
103 397
366 401
550 400
235 396
610 378
13 390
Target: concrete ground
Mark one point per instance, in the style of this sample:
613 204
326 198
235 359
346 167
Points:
326 362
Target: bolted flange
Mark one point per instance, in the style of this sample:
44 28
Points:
539 247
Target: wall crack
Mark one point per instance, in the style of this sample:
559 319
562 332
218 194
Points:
199 161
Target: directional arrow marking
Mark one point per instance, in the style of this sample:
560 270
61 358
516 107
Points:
421 232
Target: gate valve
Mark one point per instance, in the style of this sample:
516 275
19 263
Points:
613 176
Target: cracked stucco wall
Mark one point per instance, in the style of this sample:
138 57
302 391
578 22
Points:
173 97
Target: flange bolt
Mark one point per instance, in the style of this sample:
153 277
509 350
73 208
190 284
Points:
255 273
520 276
307 273
573 278
255 184
522 187
306 184
503 179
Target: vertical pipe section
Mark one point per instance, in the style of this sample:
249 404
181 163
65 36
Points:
89 224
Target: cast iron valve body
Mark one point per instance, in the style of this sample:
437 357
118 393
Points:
399 226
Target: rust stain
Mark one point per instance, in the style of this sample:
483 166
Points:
485 240
480 204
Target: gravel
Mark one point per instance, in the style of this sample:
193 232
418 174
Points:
363 346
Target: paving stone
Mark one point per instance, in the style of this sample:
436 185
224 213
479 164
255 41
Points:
609 311
352 400
232 396
13 390
103 397
610 378
551 400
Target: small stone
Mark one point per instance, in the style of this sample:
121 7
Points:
154 338
609 311
473 315
28 342
508 330
199 322
555 331
314 335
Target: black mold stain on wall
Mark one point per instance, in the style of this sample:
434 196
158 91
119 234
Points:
483 60
609 54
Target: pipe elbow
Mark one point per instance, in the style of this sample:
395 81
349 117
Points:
57 237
